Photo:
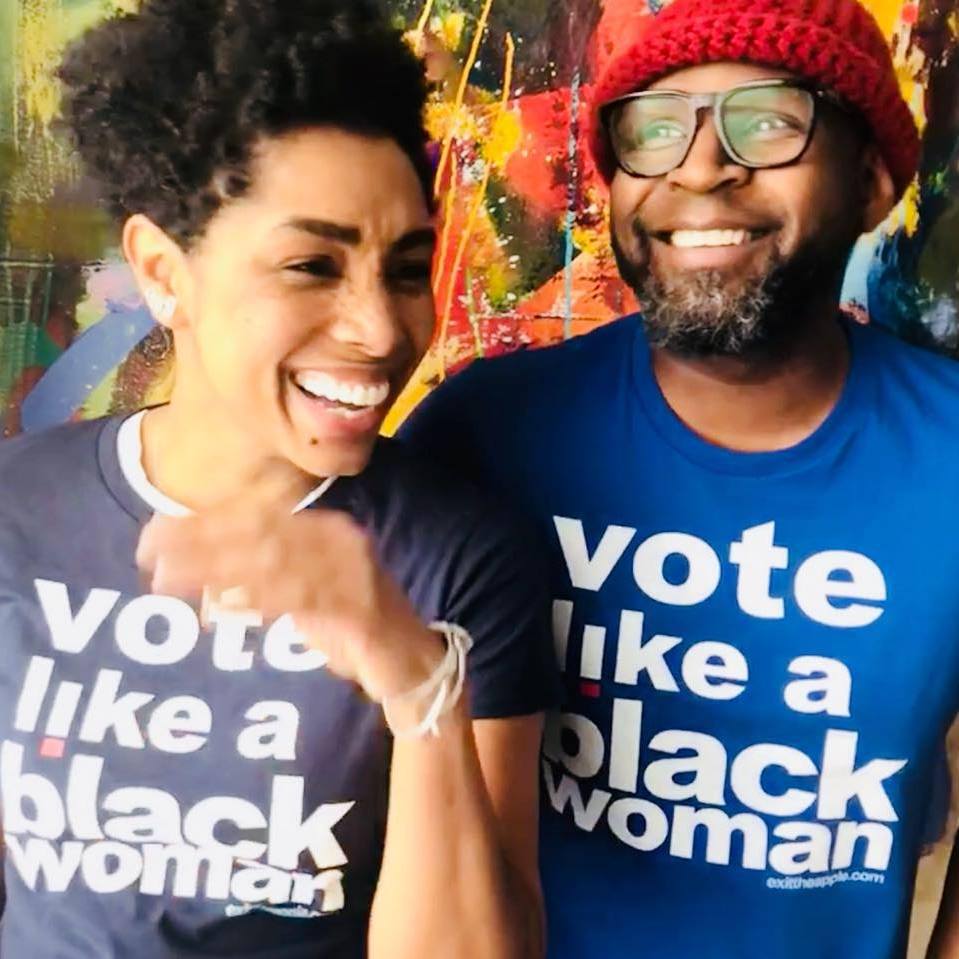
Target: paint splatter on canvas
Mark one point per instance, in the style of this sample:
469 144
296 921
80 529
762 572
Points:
523 259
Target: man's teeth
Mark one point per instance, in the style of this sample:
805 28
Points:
694 238
327 387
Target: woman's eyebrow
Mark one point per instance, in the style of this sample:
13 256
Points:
326 229
415 239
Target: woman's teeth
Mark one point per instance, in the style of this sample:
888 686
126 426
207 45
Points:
326 387
693 238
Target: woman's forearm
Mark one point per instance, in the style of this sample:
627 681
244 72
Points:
446 888
945 935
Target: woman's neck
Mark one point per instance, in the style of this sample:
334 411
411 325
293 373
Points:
203 461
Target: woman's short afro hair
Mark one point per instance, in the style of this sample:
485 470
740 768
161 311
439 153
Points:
166 105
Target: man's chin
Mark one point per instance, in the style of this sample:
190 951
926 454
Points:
718 341
711 313
756 309
719 312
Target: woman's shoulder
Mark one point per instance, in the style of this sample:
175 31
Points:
54 445
401 477
415 506
50 462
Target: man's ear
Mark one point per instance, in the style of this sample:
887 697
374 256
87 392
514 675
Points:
159 265
879 190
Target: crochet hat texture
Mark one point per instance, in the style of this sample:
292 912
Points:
835 43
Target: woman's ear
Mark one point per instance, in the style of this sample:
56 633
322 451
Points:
159 265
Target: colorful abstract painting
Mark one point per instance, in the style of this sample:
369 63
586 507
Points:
523 261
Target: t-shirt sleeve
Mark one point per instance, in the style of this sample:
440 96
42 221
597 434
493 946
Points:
498 592
443 427
499 584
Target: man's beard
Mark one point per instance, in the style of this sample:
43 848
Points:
715 313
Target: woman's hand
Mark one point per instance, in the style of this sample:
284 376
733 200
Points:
319 566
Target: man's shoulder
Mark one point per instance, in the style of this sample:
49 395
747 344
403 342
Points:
501 413
526 386
535 369
896 353
912 378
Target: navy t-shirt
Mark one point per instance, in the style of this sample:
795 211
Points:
170 790
761 650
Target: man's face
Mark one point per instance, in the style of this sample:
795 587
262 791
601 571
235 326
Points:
783 234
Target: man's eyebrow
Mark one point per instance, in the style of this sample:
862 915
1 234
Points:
327 230
414 240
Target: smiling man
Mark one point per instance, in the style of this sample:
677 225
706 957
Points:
751 505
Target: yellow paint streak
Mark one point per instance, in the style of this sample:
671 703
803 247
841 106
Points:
504 138
452 30
461 89
442 120
99 401
44 28
497 282
449 206
478 202
910 209
886 13
39 42
87 313
589 240
417 391
910 67
424 16
161 387
910 61
477 205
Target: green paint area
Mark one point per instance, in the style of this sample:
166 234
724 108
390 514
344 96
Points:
534 245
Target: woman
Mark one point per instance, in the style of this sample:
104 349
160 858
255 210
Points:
237 715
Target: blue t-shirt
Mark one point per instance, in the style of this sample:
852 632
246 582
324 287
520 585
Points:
170 790
761 651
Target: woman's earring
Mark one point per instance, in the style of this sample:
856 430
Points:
161 305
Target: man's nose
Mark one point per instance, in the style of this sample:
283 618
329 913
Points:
707 167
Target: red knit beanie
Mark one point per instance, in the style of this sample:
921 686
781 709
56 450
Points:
835 43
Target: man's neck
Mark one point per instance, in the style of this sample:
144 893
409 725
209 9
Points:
752 404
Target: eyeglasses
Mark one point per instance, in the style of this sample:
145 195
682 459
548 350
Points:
764 123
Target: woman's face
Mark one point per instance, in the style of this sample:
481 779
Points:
310 302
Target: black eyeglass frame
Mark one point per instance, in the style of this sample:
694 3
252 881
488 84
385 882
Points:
698 102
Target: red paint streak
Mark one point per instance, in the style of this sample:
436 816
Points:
910 13
51 748
592 690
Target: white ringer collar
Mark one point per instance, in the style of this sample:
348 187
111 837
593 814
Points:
130 454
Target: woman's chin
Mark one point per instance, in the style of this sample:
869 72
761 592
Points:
323 457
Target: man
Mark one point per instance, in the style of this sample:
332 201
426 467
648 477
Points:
750 501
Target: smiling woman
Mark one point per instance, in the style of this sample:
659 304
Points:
272 687
319 271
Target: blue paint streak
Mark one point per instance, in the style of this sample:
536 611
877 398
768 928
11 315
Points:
894 297
570 206
83 366
856 283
